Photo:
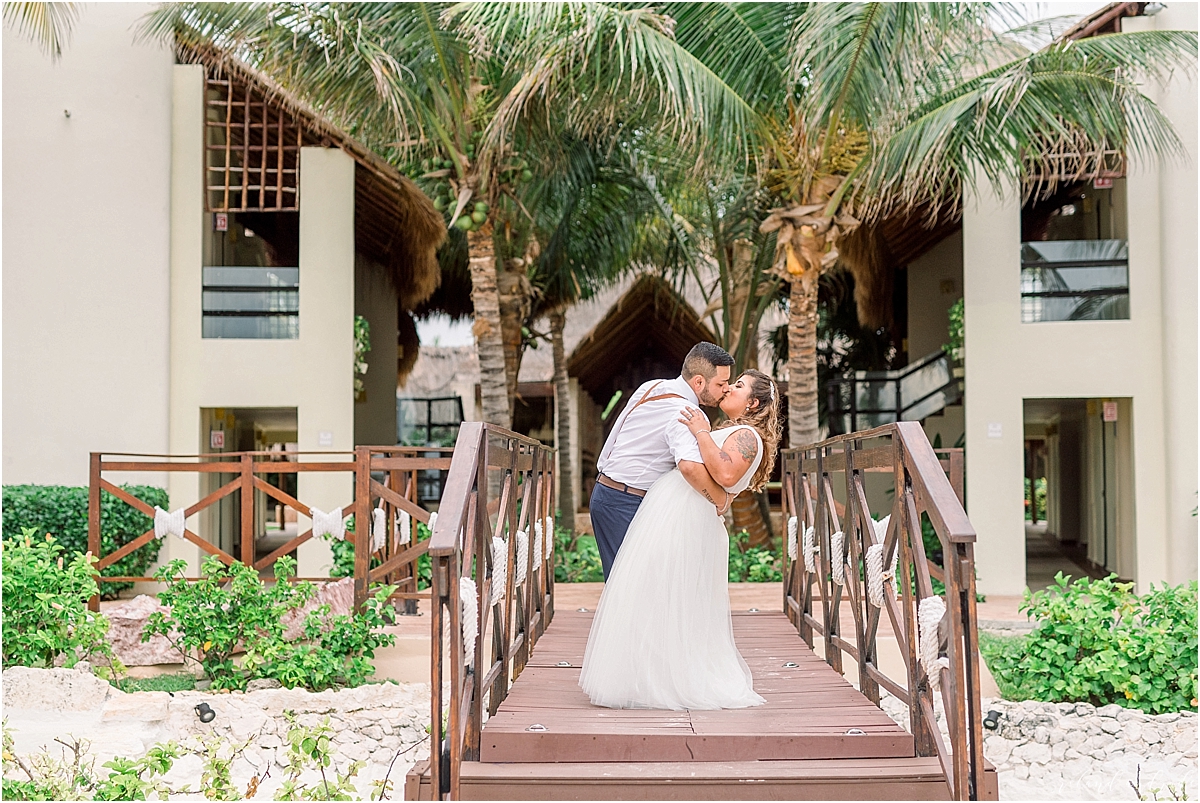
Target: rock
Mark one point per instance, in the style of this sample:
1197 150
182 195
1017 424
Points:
1132 731
1151 735
1058 751
997 749
1041 735
125 625
1110 710
1065 708
1038 753
338 595
150 706
1072 754
1057 736
1021 771
1185 741
1128 714
1036 771
1167 717
373 732
262 684
1076 738
54 689
1100 741
1111 726
1084 709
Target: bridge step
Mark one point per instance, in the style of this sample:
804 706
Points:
814 779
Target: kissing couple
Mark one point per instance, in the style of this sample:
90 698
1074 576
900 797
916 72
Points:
662 636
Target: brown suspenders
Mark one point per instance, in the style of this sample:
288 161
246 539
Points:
646 398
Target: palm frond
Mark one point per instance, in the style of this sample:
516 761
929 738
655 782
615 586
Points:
47 24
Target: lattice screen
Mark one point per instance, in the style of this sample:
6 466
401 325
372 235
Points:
252 150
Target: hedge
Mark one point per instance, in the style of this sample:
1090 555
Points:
62 510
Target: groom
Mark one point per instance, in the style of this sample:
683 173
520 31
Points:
648 440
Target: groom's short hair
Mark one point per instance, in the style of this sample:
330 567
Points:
703 360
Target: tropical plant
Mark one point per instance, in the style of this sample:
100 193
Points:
893 108
45 595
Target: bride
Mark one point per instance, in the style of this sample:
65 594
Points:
663 634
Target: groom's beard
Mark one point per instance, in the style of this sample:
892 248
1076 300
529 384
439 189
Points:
709 400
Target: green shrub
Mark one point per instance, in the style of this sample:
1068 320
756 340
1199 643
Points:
338 652
227 608
576 558
45 594
1095 641
756 564
230 608
62 510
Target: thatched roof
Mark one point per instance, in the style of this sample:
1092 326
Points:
395 223
650 322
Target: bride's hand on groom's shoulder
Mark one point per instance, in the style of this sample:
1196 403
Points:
695 420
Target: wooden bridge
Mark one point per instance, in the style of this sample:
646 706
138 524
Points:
513 723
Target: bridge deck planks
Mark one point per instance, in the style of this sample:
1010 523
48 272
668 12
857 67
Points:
809 708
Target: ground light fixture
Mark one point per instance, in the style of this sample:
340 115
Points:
992 720
205 712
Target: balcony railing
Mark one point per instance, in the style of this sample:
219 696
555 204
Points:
1074 280
874 398
251 302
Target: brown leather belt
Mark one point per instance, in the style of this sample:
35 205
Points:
608 482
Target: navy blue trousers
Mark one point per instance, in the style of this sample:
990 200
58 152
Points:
612 511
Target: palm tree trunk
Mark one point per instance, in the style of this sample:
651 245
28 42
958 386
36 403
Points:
802 360
562 416
747 515
516 295
485 295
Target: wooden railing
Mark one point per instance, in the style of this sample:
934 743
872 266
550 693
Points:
813 599
499 495
392 562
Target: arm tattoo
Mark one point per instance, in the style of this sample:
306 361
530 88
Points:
707 495
724 457
747 444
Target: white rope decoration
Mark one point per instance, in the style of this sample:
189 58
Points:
172 523
810 550
837 558
522 557
874 561
432 521
793 538
499 568
404 527
331 523
467 593
549 535
378 529
537 545
929 616
875 575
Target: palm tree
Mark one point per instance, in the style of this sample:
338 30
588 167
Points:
413 76
46 24
897 107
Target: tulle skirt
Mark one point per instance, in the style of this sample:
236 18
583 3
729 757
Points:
663 636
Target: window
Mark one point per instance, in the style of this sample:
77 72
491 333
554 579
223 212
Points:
1074 280
251 287
1074 254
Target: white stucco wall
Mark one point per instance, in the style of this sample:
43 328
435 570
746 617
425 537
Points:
1178 259
313 373
85 254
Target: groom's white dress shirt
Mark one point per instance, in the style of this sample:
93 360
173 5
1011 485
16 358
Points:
647 442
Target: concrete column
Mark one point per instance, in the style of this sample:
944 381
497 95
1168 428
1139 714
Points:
187 231
994 416
326 398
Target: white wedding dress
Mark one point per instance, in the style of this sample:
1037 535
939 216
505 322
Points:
663 634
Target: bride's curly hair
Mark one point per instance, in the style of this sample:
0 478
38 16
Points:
765 419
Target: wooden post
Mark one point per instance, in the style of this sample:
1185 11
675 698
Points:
362 523
247 502
94 521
